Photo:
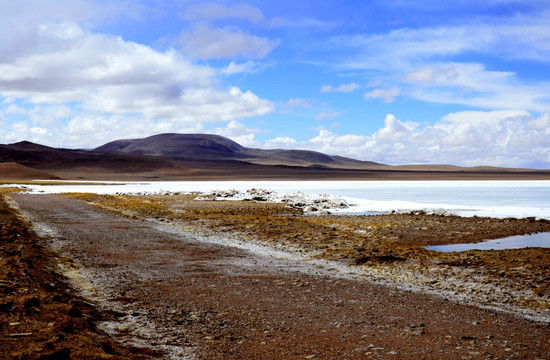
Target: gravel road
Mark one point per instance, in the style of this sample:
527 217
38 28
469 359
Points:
195 298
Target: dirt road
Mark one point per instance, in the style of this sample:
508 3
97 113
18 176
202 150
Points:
194 297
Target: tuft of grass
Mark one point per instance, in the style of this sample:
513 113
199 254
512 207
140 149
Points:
10 189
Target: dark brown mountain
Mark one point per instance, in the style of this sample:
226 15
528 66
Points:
215 147
60 161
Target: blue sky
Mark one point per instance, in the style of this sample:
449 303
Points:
399 82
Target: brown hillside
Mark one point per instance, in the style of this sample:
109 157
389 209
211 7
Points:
12 171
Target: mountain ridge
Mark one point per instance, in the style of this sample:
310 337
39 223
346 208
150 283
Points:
216 147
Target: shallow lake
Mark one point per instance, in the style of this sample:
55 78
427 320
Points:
512 242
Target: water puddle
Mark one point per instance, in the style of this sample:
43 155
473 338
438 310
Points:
513 242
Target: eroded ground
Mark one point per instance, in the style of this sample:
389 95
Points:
41 316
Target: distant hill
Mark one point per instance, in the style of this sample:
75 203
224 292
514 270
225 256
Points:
215 147
15 171
50 159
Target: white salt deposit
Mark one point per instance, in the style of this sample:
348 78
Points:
498 199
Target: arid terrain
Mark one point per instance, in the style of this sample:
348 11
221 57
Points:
173 277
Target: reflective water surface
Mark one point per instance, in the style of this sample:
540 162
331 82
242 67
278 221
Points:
512 242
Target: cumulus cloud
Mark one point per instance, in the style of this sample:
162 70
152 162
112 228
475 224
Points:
344 88
510 138
238 132
282 142
394 130
93 129
204 42
102 75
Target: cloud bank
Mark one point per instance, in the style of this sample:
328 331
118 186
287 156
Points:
510 138
105 82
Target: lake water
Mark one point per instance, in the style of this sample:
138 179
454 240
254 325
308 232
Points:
465 198
512 242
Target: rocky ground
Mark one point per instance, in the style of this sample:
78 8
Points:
213 279
41 316
386 247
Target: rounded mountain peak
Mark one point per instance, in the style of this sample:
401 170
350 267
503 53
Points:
177 145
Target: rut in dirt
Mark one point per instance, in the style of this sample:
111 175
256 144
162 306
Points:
193 298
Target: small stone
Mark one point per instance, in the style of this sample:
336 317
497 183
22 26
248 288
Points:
310 356
19 335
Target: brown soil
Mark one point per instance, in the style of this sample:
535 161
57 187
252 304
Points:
41 317
195 297
224 170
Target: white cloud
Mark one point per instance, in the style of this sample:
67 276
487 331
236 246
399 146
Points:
347 141
70 64
394 130
387 95
101 75
281 143
344 88
235 128
49 115
510 138
238 132
419 61
248 67
16 110
471 84
205 42
39 130
523 37
93 129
